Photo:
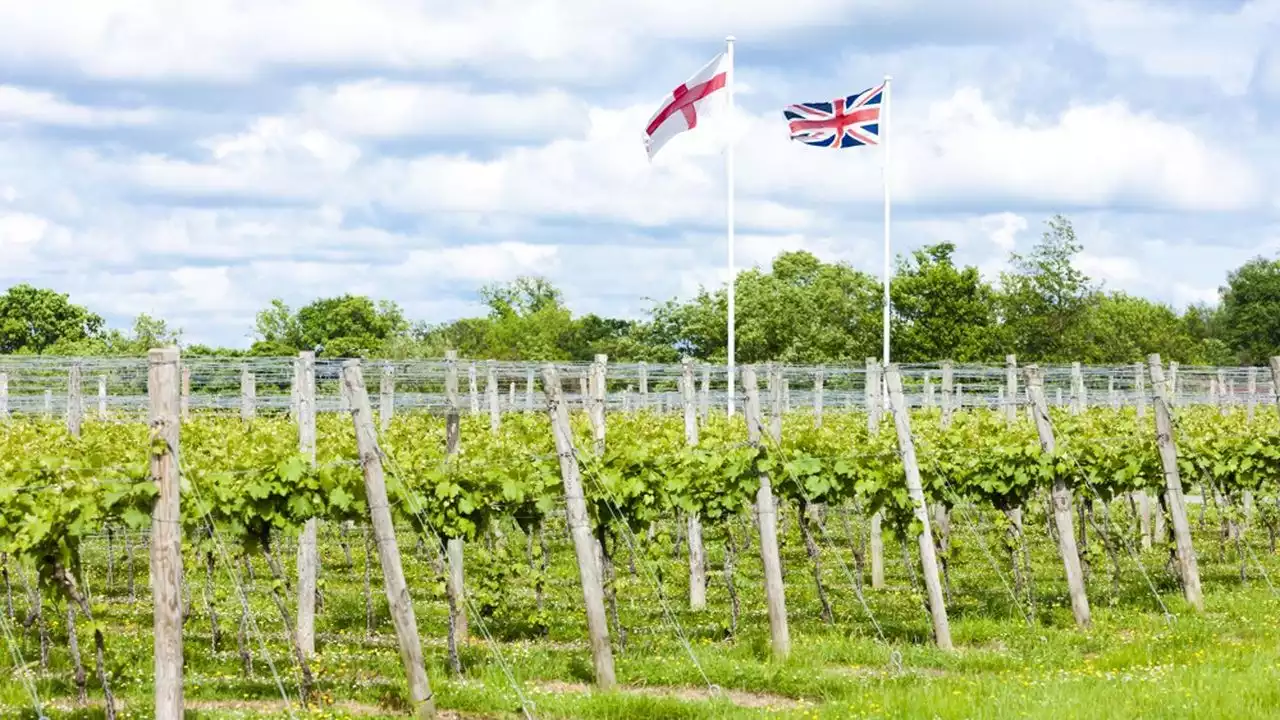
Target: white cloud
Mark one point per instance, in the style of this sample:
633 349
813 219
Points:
1003 229
39 107
1110 269
231 40
1183 40
384 109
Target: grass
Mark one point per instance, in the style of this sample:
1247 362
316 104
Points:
1133 662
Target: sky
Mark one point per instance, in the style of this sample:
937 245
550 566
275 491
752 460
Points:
195 160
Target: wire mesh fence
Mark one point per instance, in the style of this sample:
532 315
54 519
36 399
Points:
118 386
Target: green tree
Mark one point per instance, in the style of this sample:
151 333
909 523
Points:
1250 321
1122 328
802 310
941 311
343 326
33 320
1045 300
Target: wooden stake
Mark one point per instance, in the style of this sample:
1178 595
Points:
1011 388
580 529
455 580
387 397
1061 501
872 393
75 401
767 522
697 553
166 533
186 394
102 398
248 394
817 397
1186 553
948 393
397 591
473 389
491 394
915 490
4 396
308 550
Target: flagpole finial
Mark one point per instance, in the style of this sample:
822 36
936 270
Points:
729 38
887 77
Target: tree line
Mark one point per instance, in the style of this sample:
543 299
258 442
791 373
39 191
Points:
799 310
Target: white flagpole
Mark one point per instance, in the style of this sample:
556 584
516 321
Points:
728 169
884 141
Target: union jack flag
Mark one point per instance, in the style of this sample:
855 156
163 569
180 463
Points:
845 122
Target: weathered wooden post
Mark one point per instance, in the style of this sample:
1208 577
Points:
308 550
185 400
873 397
584 544
915 490
397 591
166 533
455 579
75 401
697 554
102 398
817 397
1061 496
387 397
472 388
767 522
1011 388
491 393
1186 554
248 394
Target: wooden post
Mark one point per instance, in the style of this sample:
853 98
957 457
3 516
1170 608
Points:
4 396
511 398
308 550
473 389
929 400
528 390
786 395
455 579
1139 384
584 390
75 401
375 487
915 490
1112 398
387 397
48 401
1078 401
166 533
596 392
186 394
1174 390
491 394
1186 554
248 394
704 397
697 554
584 544
102 398
948 393
1252 399
1223 400
817 397
1275 381
873 428
1011 388
1061 496
767 522
1141 498
644 386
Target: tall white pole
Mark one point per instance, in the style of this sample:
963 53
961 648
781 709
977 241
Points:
728 169
884 141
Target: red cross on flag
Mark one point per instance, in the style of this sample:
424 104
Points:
679 112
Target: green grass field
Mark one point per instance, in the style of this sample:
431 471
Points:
1133 662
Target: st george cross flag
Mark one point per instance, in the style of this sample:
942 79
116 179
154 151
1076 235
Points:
845 122
679 111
